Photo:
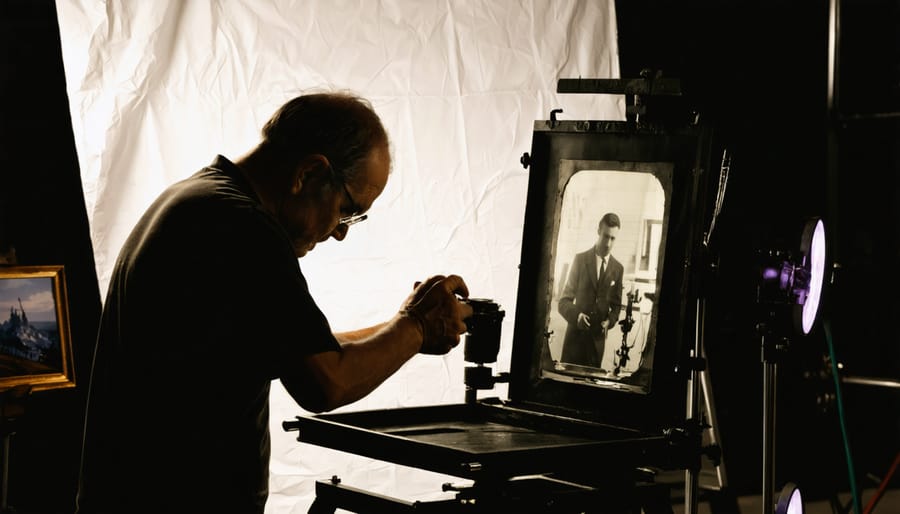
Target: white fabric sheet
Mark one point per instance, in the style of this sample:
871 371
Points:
157 88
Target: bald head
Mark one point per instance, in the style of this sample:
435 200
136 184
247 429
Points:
341 126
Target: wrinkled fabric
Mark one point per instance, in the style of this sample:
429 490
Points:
157 87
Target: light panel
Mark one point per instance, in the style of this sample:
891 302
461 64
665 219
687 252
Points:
816 262
792 280
790 501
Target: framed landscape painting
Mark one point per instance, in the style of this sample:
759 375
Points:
35 343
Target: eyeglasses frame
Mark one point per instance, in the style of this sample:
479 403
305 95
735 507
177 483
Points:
353 219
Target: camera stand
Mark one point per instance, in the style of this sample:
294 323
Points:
701 411
481 377
544 493
482 346
712 478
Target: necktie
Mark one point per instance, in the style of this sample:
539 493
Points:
602 268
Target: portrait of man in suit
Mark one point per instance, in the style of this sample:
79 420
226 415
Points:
592 297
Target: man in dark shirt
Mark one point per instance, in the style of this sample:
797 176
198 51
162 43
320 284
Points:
207 305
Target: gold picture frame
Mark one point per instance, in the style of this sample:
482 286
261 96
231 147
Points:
35 341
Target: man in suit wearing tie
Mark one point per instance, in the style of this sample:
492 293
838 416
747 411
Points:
592 298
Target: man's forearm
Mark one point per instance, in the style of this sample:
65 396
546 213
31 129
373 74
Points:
367 358
358 334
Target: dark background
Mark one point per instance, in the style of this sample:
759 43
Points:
759 67
760 70
42 214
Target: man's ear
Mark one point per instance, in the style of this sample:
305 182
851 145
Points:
310 167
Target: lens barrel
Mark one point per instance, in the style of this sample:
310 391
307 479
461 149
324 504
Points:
483 331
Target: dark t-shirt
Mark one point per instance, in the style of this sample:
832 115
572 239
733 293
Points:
206 306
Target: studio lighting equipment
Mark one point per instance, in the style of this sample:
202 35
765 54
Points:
790 501
789 295
792 279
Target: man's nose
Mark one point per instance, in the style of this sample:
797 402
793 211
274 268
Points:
340 232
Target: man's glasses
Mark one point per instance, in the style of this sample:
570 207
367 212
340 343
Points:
353 218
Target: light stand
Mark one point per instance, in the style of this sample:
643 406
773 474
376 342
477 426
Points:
789 294
772 351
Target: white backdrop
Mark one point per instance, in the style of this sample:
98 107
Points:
158 88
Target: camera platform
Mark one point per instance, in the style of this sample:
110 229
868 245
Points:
486 440
518 461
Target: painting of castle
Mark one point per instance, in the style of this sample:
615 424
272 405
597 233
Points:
29 329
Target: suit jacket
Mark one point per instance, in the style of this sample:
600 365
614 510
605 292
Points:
600 298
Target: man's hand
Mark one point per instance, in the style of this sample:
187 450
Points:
440 314
584 321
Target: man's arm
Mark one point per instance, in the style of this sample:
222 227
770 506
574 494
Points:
359 334
431 321
339 378
566 306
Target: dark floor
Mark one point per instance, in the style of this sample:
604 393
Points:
888 504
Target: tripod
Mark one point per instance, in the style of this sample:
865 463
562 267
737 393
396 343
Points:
701 410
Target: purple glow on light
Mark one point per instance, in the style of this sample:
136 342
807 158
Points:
795 504
816 278
790 501
770 273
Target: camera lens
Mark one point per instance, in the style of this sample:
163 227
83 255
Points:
483 331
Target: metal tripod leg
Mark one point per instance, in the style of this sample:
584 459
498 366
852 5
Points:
692 474
699 399
709 406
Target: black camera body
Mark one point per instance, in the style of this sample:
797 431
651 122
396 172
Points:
483 331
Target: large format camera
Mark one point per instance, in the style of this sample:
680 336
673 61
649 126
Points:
518 451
